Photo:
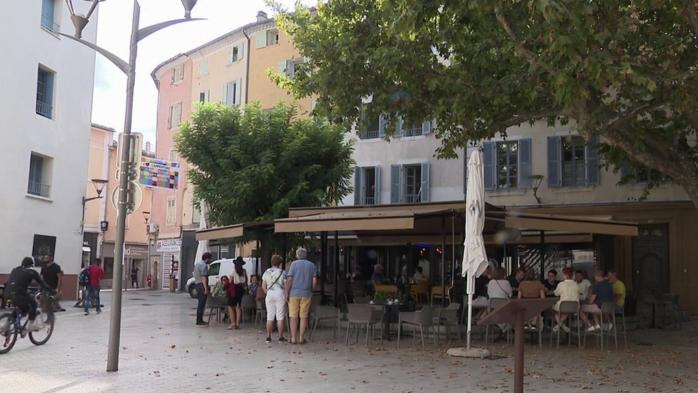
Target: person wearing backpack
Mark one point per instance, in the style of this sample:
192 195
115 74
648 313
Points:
83 282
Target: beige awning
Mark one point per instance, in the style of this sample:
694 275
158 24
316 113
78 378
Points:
226 232
574 224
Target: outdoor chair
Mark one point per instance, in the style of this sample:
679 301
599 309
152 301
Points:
609 311
361 315
448 317
421 319
324 313
494 303
249 306
420 290
215 305
572 310
437 292
598 333
260 314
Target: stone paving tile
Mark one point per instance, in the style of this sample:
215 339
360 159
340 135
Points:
161 351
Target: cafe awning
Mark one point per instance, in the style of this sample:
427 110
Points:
573 224
232 231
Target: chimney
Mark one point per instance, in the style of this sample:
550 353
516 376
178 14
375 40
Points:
261 16
147 147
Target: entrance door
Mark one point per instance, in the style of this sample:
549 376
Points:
651 260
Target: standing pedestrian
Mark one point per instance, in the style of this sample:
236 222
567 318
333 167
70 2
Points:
52 274
273 284
134 277
201 282
96 277
301 279
239 280
83 283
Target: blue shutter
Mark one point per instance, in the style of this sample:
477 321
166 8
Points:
488 166
377 197
524 166
49 94
554 161
399 121
425 187
593 166
426 127
395 184
47 14
381 126
261 39
357 182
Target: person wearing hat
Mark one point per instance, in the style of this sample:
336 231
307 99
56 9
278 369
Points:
239 280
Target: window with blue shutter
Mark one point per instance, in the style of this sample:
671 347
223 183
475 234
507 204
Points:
382 123
554 161
48 8
426 127
357 185
593 166
44 93
377 186
395 184
524 167
489 165
425 190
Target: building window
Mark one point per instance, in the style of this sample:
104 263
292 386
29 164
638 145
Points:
48 15
572 162
43 246
203 67
44 92
205 96
175 117
39 176
171 212
173 155
237 53
369 128
506 164
272 37
196 214
367 185
410 183
266 38
410 129
231 93
178 73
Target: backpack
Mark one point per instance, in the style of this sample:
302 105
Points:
84 278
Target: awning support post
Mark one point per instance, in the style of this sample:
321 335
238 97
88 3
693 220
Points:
323 264
443 259
542 255
336 269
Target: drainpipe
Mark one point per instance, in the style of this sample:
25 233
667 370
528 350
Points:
247 68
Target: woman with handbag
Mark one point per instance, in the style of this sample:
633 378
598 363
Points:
239 279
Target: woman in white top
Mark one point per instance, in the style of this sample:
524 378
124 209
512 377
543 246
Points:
568 291
273 284
499 287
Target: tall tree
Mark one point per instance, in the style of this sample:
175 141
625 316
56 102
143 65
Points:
253 165
623 70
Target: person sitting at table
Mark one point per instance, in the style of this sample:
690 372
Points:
516 279
530 288
499 288
568 291
580 276
601 292
419 275
480 300
618 290
551 282
378 277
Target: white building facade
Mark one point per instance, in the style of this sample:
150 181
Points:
47 83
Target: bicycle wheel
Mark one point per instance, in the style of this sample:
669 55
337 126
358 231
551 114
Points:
8 338
40 337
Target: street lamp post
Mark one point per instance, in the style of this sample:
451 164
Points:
79 22
99 187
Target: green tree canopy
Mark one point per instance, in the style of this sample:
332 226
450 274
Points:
623 70
252 165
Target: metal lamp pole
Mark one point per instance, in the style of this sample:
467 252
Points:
80 21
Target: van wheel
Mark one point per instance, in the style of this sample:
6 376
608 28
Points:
193 292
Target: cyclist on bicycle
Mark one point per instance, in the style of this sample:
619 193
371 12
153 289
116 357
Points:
17 288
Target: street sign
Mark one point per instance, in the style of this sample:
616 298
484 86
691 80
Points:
154 172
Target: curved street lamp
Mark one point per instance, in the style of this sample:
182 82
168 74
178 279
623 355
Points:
129 68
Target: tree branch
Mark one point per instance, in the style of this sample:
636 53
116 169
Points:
521 48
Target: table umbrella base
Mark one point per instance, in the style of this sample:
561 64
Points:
473 353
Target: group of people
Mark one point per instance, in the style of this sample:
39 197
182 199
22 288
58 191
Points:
279 289
89 280
574 287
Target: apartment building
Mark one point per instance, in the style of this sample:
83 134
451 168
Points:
46 106
230 69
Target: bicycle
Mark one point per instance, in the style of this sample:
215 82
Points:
15 323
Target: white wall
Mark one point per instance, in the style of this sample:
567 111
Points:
24 46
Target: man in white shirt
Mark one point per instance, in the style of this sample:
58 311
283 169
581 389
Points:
568 291
274 284
584 285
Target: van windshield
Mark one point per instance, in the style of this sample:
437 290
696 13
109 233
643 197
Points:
214 269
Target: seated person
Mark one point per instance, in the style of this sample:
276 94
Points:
601 292
516 279
618 289
568 291
378 277
480 299
499 288
530 288
550 282
419 275
580 276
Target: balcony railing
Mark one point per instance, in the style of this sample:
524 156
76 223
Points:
44 109
412 131
369 200
369 134
412 198
39 189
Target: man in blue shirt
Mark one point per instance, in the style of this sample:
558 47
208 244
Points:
601 292
300 281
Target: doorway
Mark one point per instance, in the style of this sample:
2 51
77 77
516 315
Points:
651 261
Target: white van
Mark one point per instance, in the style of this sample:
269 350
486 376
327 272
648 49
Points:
220 268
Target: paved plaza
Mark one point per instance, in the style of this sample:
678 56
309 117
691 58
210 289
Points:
162 351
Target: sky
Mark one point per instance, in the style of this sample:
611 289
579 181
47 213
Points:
113 34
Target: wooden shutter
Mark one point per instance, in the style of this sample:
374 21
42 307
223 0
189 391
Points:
425 187
261 39
489 165
169 118
377 188
593 170
395 183
524 164
554 161
358 200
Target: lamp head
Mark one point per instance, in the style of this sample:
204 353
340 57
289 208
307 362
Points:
99 186
188 6
79 22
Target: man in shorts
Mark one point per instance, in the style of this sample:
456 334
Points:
300 281
601 292
273 284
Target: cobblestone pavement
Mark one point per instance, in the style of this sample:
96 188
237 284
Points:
162 351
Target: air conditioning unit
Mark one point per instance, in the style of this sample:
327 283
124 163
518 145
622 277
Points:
153 228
